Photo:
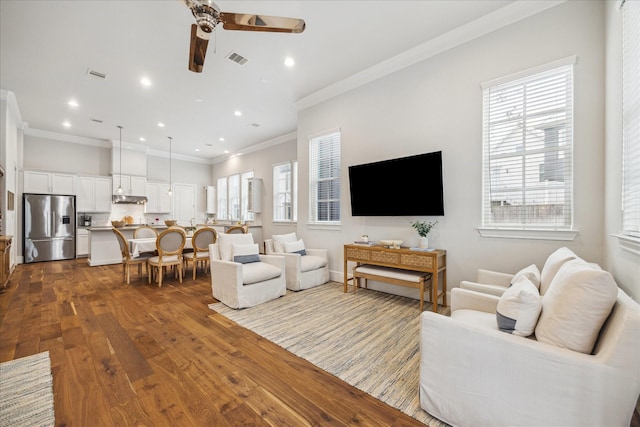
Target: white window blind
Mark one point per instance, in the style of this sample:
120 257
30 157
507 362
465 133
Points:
527 149
324 178
285 187
631 118
245 214
223 213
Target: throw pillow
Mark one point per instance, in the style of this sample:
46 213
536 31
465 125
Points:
225 242
245 254
279 239
296 247
519 308
531 272
576 306
552 265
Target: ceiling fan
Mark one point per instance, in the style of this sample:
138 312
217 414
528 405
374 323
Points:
208 16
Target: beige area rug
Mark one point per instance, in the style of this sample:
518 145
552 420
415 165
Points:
26 392
370 339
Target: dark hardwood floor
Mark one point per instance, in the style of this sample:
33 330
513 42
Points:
147 356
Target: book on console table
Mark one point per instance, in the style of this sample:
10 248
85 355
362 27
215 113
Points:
362 242
422 249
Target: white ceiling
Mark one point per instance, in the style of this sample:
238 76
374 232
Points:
46 48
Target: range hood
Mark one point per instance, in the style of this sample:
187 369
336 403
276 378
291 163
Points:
123 199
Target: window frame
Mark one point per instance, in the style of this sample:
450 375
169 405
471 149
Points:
290 192
522 229
323 159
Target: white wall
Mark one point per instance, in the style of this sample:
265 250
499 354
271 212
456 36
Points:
437 105
623 264
50 154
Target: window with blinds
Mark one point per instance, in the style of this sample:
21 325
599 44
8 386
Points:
285 188
631 119
233 196
222 212
324 178
527 149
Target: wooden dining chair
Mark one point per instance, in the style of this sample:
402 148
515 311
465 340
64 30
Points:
237 229
200 241
145 231
169 245
128 260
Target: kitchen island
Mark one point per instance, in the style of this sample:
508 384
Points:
103 244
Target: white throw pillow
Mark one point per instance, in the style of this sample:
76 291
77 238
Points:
245 254
519 308
279 239
531 272
552 265
296 247
225 242
579 301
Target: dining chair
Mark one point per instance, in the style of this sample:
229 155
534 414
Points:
200 241
128 260
237 229
145 231
169 245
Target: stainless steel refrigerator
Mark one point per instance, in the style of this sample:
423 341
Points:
49 227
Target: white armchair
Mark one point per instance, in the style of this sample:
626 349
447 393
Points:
305 268
473 374
240 276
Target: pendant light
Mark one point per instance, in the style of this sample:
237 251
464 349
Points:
170 192
120 190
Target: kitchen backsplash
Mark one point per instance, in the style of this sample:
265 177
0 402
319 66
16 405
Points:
118 212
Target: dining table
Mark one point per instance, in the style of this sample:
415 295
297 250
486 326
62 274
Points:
148 244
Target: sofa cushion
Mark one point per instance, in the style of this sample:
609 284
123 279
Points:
519 308
279 239
256 272
296 247
245 254
531 272
552 265
576 306
226 241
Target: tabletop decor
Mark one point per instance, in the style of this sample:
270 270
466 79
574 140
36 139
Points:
423 228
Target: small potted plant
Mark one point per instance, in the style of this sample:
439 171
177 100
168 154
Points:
423 228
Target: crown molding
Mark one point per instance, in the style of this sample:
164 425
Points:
12 102
291 136
486 24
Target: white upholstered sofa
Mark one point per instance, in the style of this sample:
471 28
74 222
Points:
240 276
305 268
566 374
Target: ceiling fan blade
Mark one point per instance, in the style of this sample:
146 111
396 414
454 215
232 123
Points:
198 49
250 22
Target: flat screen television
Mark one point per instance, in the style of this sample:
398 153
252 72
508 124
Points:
406 186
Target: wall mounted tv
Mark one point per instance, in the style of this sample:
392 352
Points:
406 186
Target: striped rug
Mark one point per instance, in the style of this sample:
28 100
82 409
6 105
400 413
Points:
370 339
26 392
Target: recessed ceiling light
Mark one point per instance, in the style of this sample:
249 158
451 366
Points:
145 82
198 100
160 124
237 113
72 103
289 62
221 139
226 151
142 139
66 124
197 149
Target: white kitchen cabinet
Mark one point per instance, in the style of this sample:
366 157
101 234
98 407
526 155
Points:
49 183
82 242
210 194
132 185
158 200
254 187
94 194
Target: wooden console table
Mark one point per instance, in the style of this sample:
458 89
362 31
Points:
434 262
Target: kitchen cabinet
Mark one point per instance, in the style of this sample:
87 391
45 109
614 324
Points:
131 184
82 242
41 182
5 260
94 194
210 194
158 200
254 188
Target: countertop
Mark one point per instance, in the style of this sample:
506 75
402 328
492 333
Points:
126 227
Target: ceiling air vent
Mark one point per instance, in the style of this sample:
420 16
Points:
255 125
96 120
238 59
95 73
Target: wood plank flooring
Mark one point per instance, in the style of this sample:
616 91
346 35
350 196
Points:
140 355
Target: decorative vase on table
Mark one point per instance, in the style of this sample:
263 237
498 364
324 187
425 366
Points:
423 242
